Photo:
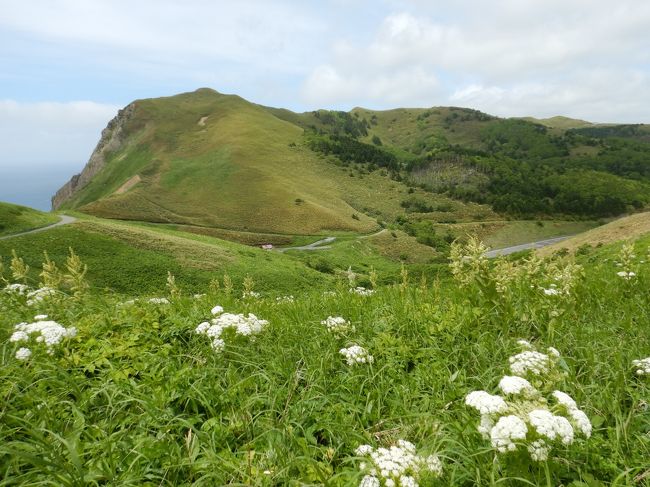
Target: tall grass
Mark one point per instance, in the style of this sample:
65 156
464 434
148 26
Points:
138 398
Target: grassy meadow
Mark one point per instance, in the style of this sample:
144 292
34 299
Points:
136 396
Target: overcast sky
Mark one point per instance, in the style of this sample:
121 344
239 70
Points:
68 65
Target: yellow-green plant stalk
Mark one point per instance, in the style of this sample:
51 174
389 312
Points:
75 274
19 269
372 275
174 290
227 284
51 276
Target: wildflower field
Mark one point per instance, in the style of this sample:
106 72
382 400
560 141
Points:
509 372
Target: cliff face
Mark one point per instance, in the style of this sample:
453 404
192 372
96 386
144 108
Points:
112 138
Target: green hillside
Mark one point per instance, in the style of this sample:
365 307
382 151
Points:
218 165
16 219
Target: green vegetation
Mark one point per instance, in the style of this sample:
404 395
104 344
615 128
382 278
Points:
16 219
137 386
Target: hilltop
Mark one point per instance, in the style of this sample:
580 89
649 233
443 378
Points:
217 163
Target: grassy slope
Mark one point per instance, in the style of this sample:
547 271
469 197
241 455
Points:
138 387
499 234
135 257
16 218
627 228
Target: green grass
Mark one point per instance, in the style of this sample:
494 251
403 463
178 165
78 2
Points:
16 219
137 398
134 257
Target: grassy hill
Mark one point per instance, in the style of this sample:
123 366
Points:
212 160
627 228
16 219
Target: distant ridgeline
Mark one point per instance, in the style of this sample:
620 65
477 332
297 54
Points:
208 159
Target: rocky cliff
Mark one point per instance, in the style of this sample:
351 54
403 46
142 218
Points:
112 138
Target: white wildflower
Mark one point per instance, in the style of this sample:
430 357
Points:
397 465
553 351
363 450
514 385
627 275
370 481
362 291
550 426
49 332
565 400
37 296
581 420
337 324
23 353
16 288
552 292
198 296
284 299
158 300
251 295
40 317
507 429
356 355
642 366
485 426
524 343
538 450
242 325
486 403
529 361
217 310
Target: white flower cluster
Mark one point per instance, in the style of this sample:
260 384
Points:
242 325
284 299
362 291
627 275
642 366
16 288
486 403
158 300
396 466
524 415
356 355
337 325
38 295
251 295
46 331
530 361
552 290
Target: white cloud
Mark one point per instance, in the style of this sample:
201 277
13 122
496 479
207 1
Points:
510 57
47 134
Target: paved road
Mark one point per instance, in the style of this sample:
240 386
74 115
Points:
321 244
318 245
65 219
518 248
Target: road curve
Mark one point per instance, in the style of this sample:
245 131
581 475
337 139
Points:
518 248
322 243
65 219
318 245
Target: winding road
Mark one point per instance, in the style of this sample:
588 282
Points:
65 219
518 248
322 243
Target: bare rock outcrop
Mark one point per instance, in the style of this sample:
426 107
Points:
112 138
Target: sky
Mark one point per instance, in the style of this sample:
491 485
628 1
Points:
69 65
